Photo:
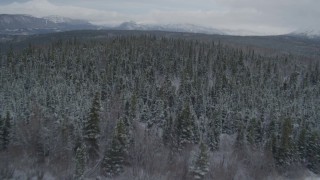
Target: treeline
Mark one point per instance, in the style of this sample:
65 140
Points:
144 103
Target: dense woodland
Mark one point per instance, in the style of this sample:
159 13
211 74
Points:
145 107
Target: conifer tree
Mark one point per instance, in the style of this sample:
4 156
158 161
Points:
1 130
213 134
302 144
273 146
92 130
126 118
272 140
286 146
240 141
114 158
168 132
185 127
258 132
271 129
133 104
200 166
80 161
254 132
251 132
313 152
5 132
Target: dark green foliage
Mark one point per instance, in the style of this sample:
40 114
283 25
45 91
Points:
272 139
5 131
168 133
271 129
92 130
1 130
166 84
186 130
273 145
133 107
251 132
80 161
200 166
240 139
223 117
258 132
213 132
254 132
114 159
313 151
1 123
285 153
302 140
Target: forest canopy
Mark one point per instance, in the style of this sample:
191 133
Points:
155 107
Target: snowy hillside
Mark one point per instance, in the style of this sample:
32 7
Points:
191 28
59 19
310 33
24 24
142 106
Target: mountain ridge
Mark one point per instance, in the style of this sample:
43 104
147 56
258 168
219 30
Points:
308 33
191 28
24 24
21 24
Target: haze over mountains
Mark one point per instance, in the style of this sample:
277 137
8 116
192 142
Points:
26 25
18 24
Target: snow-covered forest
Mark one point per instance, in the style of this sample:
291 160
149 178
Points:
147 107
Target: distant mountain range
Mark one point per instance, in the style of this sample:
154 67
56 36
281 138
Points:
17 24
26 25
311 34
190 28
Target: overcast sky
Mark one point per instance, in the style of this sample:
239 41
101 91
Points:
258 16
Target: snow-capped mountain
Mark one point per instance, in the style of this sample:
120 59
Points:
309 33
131 25
193 29
24 24
59 19
23 21
17 24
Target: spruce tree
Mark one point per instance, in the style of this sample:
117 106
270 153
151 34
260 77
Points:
92 130
258 132
167 134
273 146
240 141
1 130
185 127
302 144
251 132
271 129
213 134
114 158
133 106
254 132
272 140
6 127
286 146
313 152
200 166
80 161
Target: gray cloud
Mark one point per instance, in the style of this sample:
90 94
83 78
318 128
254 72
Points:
260 16
10 1
287 13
